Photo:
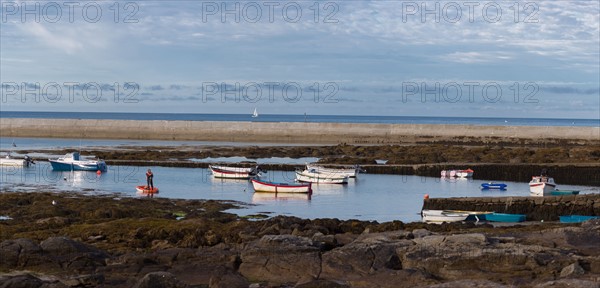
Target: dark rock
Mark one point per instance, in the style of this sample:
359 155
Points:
227 278
20 253
322 284
572 270
366 255
569 283
159 280
280 259
470 284
20 281
73 255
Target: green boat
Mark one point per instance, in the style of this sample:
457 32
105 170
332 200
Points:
563 192
503 217
576 218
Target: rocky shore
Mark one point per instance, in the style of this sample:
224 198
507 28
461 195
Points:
72 240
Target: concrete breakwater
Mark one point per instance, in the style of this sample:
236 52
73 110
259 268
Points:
280 132
567 174
536 208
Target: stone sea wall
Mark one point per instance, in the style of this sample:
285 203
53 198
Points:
547 208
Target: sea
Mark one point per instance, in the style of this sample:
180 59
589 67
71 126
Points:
506 121
371 197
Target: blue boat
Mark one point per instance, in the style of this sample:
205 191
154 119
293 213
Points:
491 185
72 162
502 217
576 218
563 192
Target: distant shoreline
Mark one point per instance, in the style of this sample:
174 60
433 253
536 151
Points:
288 132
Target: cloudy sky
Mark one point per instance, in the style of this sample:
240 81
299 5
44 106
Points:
434 58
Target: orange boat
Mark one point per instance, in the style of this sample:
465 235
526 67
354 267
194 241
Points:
145 190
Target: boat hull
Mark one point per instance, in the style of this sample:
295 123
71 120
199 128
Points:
576 218
319 178
541 189
144 190
334 173
13 162
440 216
497 186
232 172
502 217
78 165
563 192
263 186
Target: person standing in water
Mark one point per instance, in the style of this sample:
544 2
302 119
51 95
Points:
149 177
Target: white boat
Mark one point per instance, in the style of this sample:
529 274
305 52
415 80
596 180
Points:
443 173
316 177
255 113
439 216
452 173
541 185
468 173
233 172
333 172
266 186
17 162
72 162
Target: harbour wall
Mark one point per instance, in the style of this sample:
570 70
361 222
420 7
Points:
547 208
278 132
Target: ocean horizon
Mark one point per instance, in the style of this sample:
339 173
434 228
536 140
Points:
485 121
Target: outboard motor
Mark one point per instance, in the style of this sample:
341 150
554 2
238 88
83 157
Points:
28 160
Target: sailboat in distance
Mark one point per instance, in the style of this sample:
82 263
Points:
255 114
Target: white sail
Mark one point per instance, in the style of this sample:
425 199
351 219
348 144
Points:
255 114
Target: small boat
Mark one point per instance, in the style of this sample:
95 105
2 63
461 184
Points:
255 113
72 162
313 176
439 216
503 217
563 192
234 172
266 186
443 174
473 215
451 173
333 172
464 173
576 218
145 189
541 185
491 185
17 162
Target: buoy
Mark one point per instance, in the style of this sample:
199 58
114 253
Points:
98 172
426 196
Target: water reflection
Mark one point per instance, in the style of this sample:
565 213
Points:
262 197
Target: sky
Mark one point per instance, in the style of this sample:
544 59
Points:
536 59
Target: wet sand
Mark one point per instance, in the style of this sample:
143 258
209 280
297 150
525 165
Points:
283 132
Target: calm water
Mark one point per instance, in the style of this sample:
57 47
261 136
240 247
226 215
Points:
307 118
370 197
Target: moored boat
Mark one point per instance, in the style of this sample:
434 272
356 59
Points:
541 185
10 161
504 217
323 178
491 185
576 218
233 172
266 186
468 173
72 162
335 172
439 216
563 192
143 189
